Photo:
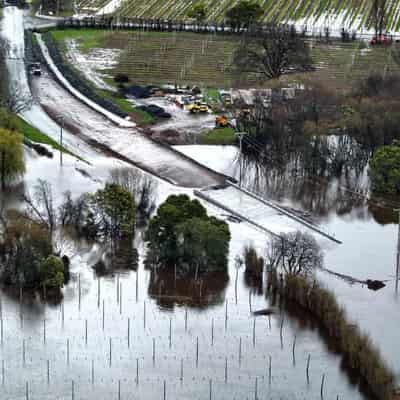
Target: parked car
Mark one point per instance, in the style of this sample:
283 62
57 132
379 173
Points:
35 69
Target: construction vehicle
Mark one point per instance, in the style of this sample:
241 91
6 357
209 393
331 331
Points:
221 122
196 108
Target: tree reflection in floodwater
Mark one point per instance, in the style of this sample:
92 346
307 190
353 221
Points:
169 290
342 191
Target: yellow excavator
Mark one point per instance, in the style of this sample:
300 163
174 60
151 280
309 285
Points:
221 122
198 108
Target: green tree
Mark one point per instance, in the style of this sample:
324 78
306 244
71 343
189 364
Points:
198 12
384 170
52 272
114 211
12 164
182 234
244 14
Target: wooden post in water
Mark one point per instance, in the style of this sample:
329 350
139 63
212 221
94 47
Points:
62 315
256 389
270 371
281 330
137 372
240 351
23 352
137 285
165 390
98 292
144 315
254 332
86 331
170 332
120 298
72 390
226 370
79 292
48 372
212 332
197 351
110 352
44 331
308 369
92 372
186 318
210 385
117 288
294 350
322 386
398 254
226 314
103 314
27 391
154 351
67 351
119 390
181 377
129 332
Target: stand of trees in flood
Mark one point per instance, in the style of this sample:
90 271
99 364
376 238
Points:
317 133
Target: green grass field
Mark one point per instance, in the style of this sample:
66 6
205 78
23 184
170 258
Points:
206 60
34 135
220 136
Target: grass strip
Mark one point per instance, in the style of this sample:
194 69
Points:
219 136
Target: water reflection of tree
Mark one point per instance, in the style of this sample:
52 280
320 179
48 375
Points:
317 195
170 290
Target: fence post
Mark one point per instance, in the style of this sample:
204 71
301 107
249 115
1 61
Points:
322 386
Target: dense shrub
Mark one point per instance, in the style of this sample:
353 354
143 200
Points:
26 256
385 170
181 234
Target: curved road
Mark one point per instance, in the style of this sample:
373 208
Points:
128 144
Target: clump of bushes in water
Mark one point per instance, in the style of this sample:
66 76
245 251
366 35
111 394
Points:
181 235
384 169
27 257
254 268
359 354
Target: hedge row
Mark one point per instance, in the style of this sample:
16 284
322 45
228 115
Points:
359 354
76 81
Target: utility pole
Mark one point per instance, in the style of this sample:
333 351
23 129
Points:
398 252
61 140
240 135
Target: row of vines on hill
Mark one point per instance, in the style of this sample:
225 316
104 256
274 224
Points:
353 13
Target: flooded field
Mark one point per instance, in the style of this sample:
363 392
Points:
368 229
141 334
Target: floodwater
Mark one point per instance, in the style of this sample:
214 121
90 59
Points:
366 226
146 335
124 334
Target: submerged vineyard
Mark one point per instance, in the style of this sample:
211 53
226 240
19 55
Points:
348 13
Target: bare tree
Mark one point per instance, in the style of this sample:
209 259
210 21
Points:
143 189
378 16
269 52
295 253
40 206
